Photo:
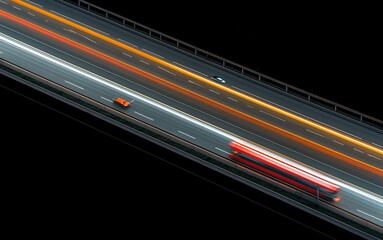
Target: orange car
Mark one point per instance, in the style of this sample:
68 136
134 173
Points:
121 102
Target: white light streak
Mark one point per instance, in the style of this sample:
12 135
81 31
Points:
172 111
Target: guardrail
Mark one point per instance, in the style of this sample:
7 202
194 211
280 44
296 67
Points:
229 65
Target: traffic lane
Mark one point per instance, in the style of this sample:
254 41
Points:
62 75
336 145
361 206
202 136
100 93
85 16
273 147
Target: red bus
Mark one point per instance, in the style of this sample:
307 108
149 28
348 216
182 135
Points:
266 162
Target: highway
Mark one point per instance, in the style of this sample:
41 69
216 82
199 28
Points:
176 97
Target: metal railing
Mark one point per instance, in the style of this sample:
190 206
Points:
250 74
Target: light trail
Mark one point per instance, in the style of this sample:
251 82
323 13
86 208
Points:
374 198
207 81
199 97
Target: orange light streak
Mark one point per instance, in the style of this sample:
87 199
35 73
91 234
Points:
198 97
174 67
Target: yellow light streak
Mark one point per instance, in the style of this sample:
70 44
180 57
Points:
205 80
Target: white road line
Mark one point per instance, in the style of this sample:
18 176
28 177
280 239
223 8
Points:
31 14
271 115
186 134
87 38
74 85
163 69
377 145
249 106
196 83
338 142
155 54
369 215
3 2
70 30
131 44
232 99
126 54
145 62
142 115
16 8
355 149
35 3
107 99
1 52
308 130
221 150
190 69
80 23
214 91
373 156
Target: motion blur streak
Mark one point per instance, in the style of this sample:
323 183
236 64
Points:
196 96
231 137
98 35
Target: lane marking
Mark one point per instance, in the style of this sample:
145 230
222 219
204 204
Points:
31 14
142 115
308 130
87 38
195 83
131 44
126 54
186 134
3 2
271 115
74 85
214 91
80 23
70 30
35 3
338 142
249 106
377 145
163 69
374 157
107 99
144 62
17 8
155 54
222 150
355 149
232 99
369 215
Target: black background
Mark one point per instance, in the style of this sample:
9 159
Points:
67 173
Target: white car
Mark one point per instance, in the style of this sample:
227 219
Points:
218 79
